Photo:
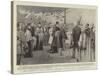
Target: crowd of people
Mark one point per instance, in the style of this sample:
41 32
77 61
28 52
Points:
32 37
83 41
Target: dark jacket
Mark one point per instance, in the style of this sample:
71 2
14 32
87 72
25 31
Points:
87 32
57 38
76 33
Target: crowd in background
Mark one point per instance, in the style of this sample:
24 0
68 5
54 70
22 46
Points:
31 37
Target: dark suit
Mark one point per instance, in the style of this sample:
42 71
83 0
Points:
76 36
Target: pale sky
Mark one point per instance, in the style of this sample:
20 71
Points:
88 16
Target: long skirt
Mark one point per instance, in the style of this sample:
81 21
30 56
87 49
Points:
39 42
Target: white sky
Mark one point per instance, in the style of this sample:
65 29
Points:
88 16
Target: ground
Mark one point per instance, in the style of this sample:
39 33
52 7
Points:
43 57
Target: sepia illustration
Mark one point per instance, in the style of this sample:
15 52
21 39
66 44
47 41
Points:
47 35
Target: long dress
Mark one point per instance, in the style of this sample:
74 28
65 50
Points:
88 43
46 35
54 41
40 36
51 36
82 41
57 42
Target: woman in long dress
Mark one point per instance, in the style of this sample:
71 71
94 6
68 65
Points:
88 41
46 35
40 36
34 40
82 43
